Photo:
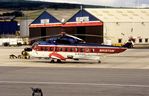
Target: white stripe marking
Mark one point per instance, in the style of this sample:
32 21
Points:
63 83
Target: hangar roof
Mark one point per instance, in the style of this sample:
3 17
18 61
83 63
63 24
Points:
57 13
120 15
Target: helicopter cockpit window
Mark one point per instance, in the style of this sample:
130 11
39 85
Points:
34 44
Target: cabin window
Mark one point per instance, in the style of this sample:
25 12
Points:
146 40
140 40
92 50
66 49
51 48
57 49
71 49
46 49
60 49
87 50
77 49
42 48
119 40
81 49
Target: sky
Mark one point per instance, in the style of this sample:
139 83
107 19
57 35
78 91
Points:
115 3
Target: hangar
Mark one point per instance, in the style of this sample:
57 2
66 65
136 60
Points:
42 25
80 23
49 22
110 24
85 25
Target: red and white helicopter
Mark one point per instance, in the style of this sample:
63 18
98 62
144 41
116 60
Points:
64 46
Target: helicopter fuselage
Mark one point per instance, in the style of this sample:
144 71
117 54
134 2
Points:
64 46
75 52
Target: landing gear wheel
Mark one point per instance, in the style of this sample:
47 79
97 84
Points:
99 61
27 57
24 53
59 61
52 61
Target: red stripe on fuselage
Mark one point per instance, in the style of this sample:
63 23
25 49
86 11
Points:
56 55
84 49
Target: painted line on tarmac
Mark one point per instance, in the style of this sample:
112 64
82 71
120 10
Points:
65 83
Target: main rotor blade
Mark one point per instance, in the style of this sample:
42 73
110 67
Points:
91 35
41 37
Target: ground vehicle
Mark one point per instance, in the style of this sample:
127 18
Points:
11 41
64 46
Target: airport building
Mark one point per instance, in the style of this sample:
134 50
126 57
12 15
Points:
8 26
108 25
123 24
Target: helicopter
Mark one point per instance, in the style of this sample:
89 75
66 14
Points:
63 46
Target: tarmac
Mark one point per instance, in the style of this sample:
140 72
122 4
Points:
130 59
